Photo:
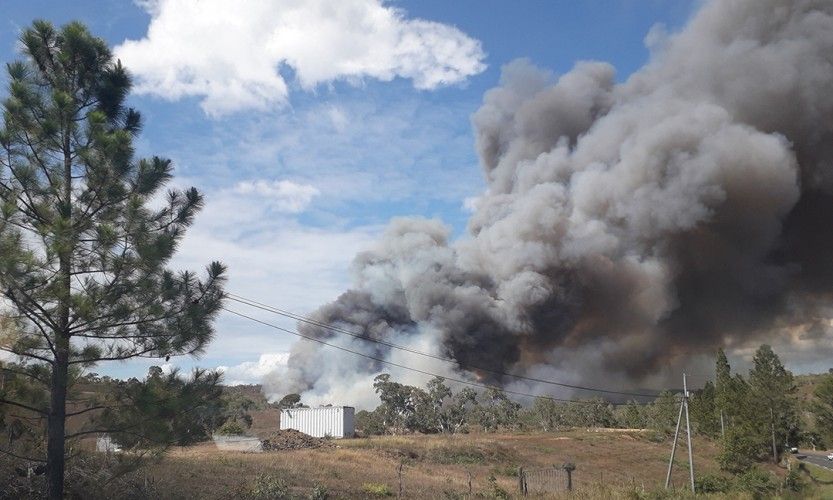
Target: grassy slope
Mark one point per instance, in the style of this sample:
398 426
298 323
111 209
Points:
820 479
435 466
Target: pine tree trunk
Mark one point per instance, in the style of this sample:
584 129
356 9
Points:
57 421
56 432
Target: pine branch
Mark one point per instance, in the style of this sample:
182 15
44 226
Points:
26 354
21 457
25 374
93 408
24 406
133 354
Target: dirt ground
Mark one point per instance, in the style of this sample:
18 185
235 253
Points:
436 466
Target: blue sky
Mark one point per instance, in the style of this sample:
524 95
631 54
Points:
300 180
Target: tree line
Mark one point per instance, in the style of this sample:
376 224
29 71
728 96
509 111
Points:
755 418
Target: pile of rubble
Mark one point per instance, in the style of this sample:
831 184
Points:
291 439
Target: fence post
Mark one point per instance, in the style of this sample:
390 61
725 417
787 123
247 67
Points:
399 471
521 480
569 467
469 482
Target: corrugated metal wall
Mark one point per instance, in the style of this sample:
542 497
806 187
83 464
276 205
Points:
333 421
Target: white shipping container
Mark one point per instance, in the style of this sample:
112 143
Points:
332 421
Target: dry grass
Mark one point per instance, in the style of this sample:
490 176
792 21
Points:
434 466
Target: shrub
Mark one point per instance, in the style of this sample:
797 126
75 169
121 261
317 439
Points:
496 491
710 483
793 481
269 486
655 436
739 451
230 428
319 493
757 482
377 489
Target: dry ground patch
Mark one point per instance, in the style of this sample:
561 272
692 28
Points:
436 466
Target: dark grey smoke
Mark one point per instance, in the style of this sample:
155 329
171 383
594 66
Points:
625 226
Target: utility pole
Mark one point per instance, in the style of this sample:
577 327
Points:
673 448
683 406
722 427
688 434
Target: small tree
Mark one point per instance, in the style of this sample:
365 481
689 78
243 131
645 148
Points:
290 401
82 250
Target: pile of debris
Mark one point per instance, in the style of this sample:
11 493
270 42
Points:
291 439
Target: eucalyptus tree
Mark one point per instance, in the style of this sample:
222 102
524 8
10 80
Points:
86 230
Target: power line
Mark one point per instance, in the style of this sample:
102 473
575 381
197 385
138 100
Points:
252 303
417 370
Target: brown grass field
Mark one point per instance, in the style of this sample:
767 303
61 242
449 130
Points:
609 464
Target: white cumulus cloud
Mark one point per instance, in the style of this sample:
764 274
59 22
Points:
287 196
252 372
230 54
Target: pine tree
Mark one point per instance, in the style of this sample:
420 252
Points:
772 389
82 250
723 390
703 411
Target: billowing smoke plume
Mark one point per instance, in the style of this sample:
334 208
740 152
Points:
625 226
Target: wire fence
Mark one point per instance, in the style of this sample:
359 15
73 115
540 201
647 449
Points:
543 480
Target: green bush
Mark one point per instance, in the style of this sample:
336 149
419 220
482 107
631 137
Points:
739 451
230 428
710 483
757 482
269 487
655 436
377 489
793 481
